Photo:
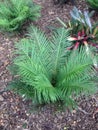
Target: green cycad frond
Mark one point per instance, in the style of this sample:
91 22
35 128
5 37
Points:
49 71
30 58
26 91
42 47
44 90
59 48
34 66
76 76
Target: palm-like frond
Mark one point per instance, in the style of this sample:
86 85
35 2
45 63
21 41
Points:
34 66
29 60
21 88
59 50
42 47
44 90
52 73
76 75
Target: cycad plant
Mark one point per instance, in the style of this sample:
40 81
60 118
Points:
93 4
14 13
45 70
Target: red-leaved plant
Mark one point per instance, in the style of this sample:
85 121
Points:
82 31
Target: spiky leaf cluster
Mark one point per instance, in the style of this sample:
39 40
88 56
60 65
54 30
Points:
14 13
47 72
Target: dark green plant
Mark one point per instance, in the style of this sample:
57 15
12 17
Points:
93 4
45 70
14 13
63 1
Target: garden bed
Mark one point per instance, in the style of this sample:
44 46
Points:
18 114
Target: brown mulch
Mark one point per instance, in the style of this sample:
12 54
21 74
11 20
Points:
19 114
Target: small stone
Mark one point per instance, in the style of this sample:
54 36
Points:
65 128
74 111
51 12
1 48
1 98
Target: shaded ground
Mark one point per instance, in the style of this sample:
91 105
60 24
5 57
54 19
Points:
17 114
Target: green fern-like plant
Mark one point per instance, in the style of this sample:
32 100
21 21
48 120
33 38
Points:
14 13
93 4
45 70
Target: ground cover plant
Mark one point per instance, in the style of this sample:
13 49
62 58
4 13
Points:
47 71
14 13
93 4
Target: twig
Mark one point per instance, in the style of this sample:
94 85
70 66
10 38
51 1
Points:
93 97
80 109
